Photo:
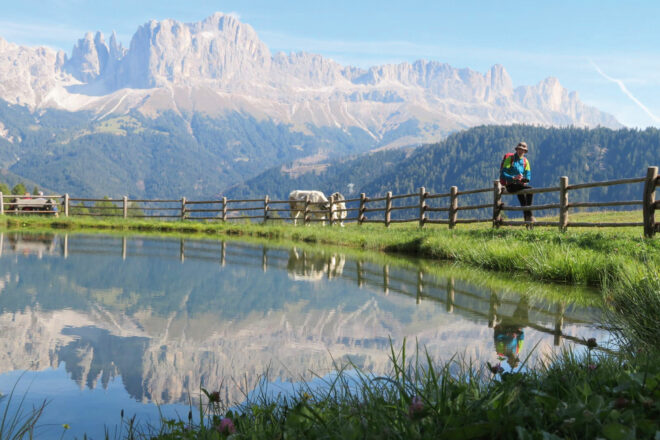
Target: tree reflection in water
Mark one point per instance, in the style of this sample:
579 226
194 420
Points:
168 315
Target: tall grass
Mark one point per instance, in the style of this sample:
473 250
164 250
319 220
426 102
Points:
572 395
18 422
633 312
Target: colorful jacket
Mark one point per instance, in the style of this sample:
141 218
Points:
514 165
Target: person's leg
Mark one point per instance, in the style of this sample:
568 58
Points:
528 202
522 198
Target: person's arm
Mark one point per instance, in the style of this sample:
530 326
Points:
527 173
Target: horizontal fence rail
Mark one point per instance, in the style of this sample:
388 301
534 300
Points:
421 207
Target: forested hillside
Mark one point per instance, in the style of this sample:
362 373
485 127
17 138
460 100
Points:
169 156
470 159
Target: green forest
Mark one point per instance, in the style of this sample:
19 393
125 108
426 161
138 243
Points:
195 156
167 156
470 159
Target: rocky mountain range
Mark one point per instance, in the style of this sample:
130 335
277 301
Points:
220 65
195 108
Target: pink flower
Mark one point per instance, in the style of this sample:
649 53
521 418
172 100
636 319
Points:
226 426
592 367
416 407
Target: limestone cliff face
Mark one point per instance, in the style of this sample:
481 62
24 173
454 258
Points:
220 65
28 74
219 49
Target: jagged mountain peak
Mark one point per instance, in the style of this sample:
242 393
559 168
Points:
170 52
219 65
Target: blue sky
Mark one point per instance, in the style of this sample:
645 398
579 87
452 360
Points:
607 51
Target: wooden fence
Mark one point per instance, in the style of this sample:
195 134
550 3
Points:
426 208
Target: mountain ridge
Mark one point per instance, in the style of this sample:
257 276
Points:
219 65
192 108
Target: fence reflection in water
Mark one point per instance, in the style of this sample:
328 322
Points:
303 265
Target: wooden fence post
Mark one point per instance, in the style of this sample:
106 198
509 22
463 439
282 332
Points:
224 209
453 204
388 208
2 204
422 206
266 208
183 208
497 204
649 201
332 210
563 203
306 213
363 202
66 205
125 206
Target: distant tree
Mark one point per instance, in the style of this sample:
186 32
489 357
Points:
4 189
106 208
35 191
134 210
19 189
79 209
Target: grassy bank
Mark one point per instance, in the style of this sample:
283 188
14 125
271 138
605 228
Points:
579 256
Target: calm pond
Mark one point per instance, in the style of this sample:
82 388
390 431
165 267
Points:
97 324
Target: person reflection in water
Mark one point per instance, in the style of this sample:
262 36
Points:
509 335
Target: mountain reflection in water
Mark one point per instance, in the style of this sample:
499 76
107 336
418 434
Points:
169 315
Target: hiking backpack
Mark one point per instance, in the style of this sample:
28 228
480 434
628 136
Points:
506 156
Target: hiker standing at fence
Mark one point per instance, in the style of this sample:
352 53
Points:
515 174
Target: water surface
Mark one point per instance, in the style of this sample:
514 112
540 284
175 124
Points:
97 324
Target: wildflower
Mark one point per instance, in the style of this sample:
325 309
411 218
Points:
416 407
226 426
591 343
306 396
66 426
592 367
495 369
214 397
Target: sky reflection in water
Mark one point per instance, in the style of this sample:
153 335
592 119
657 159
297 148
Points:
108 323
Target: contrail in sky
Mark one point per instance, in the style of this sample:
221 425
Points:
623 88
